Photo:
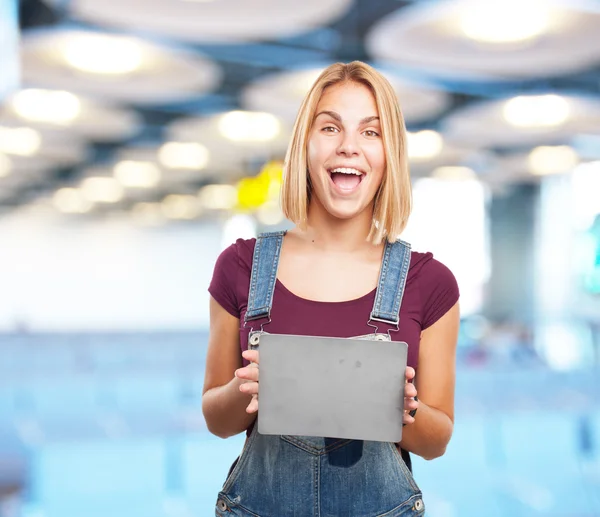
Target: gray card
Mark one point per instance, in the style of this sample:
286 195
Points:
331 387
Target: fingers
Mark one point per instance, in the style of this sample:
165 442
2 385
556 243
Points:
410 390
248 373
253 406
251 355
251 388
410 404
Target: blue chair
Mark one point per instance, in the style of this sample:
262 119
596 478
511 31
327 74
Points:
205 463
541 468
595 434
460 497
461 482
148 393
542 442
62 397
100 478
592 467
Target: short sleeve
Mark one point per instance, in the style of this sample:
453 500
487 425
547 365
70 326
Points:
439 291
223 286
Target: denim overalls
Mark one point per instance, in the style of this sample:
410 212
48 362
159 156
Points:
302 476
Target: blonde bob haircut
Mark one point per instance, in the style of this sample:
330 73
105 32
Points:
393 201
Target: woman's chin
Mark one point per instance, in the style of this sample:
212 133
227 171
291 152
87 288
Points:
344 211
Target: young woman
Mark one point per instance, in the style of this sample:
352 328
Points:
347 189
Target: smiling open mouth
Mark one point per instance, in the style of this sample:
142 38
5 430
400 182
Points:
346 178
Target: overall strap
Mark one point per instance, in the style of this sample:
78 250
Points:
264 274
392 280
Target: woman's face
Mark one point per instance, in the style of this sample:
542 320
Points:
346 158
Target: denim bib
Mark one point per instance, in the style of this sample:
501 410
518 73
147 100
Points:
304 476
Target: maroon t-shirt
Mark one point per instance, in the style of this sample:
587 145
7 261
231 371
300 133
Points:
431 290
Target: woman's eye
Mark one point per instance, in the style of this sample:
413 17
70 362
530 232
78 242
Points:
329 129
370 132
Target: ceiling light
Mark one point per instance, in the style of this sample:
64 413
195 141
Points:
41 207
102 190
558 159
5 165
103 54
248 126
55 107
22 141
137 174
218 197
149 214
180 155
454 173
180 206
303 83
509 21
536 111
71 201
424 145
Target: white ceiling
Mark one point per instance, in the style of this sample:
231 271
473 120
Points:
483 124
427 36
200 59
96 119
167 73
212 21
282 94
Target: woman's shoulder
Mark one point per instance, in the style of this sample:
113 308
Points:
421 260
243 250
435 284
232 274
429 270
240 251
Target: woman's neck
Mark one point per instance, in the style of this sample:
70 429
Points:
331 233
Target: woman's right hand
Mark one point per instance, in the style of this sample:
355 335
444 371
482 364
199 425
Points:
249 374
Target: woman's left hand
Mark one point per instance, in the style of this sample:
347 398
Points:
410 392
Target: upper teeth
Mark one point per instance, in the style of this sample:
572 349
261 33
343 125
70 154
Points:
346 170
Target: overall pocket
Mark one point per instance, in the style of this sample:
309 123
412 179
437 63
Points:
403 467
414 507
225 507
315 445
240 462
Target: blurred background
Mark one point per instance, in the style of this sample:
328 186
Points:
138 139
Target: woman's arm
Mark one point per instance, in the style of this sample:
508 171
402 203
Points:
430 433
223 404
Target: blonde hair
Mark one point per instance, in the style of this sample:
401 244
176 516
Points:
393 201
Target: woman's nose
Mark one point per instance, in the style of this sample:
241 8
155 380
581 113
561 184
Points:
348 145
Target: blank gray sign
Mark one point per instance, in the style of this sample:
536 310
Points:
331 387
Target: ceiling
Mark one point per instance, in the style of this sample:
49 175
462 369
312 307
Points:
147 87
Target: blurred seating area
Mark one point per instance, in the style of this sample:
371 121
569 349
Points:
137 143
98 424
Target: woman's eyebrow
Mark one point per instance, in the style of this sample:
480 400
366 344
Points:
337 117
332 114
366 120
